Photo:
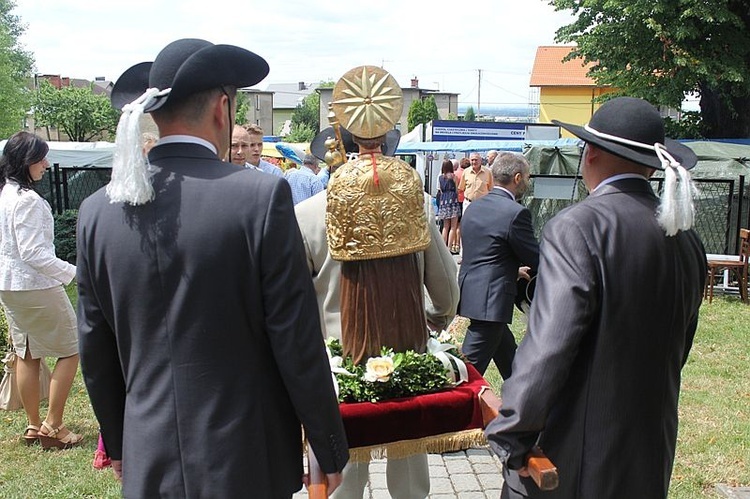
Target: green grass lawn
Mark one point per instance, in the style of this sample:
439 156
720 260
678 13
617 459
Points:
713 443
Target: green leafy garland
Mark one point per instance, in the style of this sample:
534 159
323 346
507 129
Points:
392 375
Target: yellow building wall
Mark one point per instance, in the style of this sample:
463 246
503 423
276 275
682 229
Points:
569 104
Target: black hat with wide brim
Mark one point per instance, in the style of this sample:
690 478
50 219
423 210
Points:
634 120
188 66
318 144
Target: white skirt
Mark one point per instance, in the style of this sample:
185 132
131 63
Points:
41 320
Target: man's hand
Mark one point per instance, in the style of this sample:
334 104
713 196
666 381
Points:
117 468
523 472
333 480
523 273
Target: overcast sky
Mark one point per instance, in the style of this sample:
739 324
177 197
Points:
443 44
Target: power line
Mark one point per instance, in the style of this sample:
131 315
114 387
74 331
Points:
506 90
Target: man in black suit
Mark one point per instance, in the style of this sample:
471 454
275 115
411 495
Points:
200 341
596 380
499 249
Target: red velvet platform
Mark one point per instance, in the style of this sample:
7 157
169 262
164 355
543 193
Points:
434 414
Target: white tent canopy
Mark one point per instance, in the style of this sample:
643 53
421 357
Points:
83 154
78 153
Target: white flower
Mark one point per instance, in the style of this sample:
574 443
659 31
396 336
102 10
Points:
378 369
445 337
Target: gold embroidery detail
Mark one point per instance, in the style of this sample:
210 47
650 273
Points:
366 220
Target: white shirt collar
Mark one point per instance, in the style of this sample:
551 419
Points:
615 178
512 196
190 139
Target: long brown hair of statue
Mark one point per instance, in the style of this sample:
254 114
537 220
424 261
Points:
382 304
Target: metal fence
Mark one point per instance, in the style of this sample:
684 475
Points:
722 208
68 187
722 205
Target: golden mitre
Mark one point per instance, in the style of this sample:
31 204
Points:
375 203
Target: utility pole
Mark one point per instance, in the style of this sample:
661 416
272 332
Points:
479 91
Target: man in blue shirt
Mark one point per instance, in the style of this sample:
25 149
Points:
247 144
304 182
324 175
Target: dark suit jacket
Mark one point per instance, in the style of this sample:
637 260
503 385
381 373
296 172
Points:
610 327
199 334
497 239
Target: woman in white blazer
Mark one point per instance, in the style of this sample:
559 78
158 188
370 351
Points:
40 317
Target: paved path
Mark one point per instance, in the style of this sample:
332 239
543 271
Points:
471 474
733 492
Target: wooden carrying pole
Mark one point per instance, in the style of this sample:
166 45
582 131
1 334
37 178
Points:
318 488
541 469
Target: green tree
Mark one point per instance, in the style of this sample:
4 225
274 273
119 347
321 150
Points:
470 115
16 68
430 109
305 119
414 117
243 107
688 127
422 111
301 132
77 111
661 50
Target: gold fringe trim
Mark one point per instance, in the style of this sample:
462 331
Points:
436 444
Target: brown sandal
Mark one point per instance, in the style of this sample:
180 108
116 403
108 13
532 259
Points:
50 440
31 439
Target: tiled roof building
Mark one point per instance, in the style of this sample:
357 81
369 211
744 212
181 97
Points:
564 91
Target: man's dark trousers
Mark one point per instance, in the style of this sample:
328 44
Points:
486 341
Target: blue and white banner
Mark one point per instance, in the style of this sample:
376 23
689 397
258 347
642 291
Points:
446 131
